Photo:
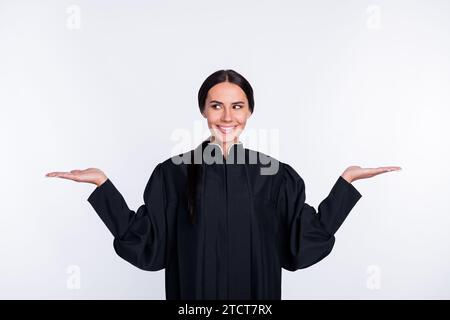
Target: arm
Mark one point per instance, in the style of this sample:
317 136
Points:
308 236
139 237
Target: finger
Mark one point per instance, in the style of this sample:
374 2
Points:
67 175
381 170
391 168
64 175
374 171
75 171
54 173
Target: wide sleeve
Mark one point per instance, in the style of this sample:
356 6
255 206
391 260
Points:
139 237
307 236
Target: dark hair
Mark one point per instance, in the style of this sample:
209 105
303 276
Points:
215 78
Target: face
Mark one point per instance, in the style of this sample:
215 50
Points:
227 111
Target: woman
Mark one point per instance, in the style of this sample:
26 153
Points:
223 220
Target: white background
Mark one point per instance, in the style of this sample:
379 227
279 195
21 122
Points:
106 83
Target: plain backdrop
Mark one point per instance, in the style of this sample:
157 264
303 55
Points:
108 84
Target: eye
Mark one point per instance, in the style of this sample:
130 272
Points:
215 105
238 106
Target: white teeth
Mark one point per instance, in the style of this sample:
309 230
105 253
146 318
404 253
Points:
226 129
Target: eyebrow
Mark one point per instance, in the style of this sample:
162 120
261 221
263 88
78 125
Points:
215 101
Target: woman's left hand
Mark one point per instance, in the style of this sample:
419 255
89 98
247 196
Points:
355 172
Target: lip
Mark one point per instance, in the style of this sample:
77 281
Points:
226 129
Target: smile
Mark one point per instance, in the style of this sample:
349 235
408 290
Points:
226 130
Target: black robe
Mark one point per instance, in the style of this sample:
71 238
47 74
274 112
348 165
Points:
248 225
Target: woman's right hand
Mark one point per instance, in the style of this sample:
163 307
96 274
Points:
89 175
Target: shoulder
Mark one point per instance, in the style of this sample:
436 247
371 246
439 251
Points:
175 165
260 159
265 160
278 173
289 172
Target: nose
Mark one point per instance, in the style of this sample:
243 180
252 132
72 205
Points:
226 115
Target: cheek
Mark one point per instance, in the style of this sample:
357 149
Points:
215 121
242 119
212 119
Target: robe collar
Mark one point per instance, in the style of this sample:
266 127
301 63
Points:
234 155
232 145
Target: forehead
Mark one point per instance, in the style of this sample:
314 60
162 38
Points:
226 91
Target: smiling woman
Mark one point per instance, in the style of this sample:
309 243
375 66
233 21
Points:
223 229
226 101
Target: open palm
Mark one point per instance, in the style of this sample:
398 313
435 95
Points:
89 175
353 173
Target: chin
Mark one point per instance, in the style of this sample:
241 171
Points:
222 139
